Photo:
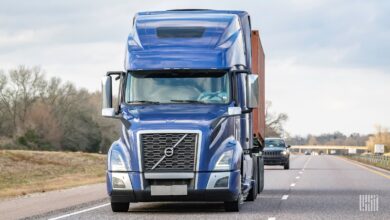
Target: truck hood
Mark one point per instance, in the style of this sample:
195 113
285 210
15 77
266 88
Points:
171 114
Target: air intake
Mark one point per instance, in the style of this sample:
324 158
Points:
180 32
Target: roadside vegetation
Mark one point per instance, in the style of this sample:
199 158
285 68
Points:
24 172
37 113
382 136
381 161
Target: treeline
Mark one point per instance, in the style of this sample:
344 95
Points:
381 136
335 138
47 114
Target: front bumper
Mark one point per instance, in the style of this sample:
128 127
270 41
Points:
281 160
193 195
200 188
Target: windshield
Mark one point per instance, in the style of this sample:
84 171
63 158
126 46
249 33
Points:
185 87
274 143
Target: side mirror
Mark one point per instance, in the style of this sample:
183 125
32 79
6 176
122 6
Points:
107 109
234 111
252 94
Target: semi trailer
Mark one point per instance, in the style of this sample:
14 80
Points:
191 106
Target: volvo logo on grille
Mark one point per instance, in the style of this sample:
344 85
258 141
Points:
168 151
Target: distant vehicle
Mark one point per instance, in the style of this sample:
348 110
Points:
276 152
307 152
314 153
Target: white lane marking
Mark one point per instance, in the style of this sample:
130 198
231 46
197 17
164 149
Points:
81 211
271 218
307 161
297 177
292 184
284 197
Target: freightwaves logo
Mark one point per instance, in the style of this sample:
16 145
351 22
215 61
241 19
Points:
368 203
168 152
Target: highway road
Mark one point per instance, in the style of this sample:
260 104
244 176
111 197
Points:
316 187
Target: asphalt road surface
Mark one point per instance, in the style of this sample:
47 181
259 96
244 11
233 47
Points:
316 187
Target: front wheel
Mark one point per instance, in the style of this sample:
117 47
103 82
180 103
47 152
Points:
232 206
287 165
120 206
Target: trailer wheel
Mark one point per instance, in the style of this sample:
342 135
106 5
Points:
261 174
120 206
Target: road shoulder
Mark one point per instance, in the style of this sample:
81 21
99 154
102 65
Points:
368 167
40 203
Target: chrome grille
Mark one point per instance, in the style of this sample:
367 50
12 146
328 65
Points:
272 153
153 146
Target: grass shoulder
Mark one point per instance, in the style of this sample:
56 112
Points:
24 172
377 161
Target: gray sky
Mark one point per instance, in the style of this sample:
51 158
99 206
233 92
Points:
327 62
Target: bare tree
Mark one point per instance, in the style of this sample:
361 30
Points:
382 136
18 92
274 122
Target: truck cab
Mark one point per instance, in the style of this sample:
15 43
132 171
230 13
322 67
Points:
191 104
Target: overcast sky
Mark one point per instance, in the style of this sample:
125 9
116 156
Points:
327 62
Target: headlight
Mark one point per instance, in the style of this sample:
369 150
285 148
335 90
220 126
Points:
117 163
224 161
284 152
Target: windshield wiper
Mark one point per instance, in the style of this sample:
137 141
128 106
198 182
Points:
142 102
188 101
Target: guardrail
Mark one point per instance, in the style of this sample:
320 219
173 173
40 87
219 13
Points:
376 160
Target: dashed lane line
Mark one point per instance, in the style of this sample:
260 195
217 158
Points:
284 197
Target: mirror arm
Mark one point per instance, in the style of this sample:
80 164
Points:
249 110
125 122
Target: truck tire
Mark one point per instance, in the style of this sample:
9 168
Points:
287 165
252 195
232 206
261 174
120 206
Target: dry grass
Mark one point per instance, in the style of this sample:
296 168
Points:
381 163
23 172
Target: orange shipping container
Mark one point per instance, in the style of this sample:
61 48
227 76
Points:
258 67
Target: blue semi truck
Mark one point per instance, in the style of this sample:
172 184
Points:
191 105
